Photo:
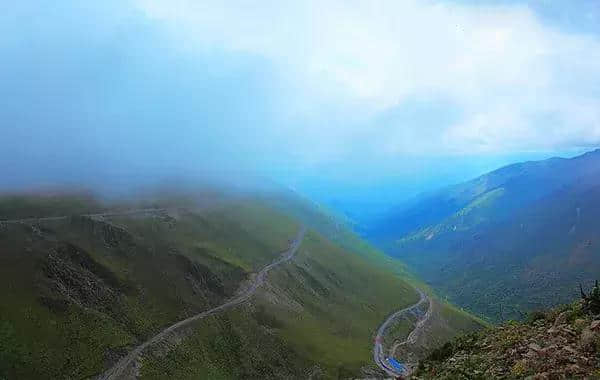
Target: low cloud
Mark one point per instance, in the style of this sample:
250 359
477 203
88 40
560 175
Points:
133 90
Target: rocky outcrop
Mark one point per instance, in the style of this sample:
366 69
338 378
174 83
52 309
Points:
559 344
72 276
200 277
111 235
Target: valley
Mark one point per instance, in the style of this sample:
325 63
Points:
512 241
175 283
321 190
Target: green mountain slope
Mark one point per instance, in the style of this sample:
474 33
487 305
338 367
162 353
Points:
523 183
82 291
516 241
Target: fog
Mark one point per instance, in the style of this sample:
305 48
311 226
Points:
88 100
345 102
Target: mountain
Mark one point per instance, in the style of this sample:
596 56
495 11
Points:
513 240
85 281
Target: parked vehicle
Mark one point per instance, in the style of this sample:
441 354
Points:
396 365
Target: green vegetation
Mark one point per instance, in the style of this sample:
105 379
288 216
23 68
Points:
508 242
110 285
335 326
233 345
325 304
465 219
81 292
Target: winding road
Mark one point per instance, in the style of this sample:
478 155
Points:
97 215
117 370
378 350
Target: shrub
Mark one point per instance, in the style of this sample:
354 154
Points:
535 316
442 353
519 368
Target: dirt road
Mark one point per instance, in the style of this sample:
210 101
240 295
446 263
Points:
97 215
378 350
117 370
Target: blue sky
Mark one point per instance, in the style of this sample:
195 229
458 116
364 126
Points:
351 95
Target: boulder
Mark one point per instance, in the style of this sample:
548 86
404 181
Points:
561 319
587 340
535 347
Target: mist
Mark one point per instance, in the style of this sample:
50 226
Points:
109 103
126 94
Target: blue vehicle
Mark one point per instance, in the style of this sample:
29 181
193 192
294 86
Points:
396 365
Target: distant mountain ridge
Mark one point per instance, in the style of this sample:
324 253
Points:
509 241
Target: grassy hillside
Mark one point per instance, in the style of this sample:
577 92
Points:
81 292
522 183
112 283
325 305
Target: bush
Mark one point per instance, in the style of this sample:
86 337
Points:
520 368
442 353
576 311
534 316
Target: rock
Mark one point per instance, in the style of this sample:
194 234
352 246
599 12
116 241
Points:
531 354
561 319
567 330
579 323
551 347
535 347
573 369
541 376
556 349
587 341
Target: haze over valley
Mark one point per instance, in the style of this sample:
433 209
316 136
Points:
299 189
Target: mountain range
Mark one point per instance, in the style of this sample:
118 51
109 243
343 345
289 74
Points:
514 240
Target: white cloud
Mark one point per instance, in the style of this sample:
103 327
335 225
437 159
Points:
518 83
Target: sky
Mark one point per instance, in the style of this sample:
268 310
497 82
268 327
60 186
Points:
346 100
